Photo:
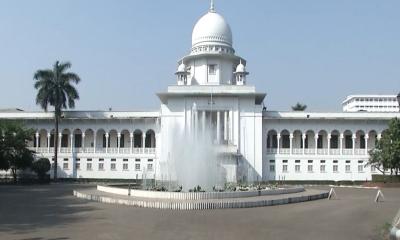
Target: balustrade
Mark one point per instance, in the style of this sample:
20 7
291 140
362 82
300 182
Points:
68 150
319 151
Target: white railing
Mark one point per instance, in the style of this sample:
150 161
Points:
360 151
284 151
271 150
124 150
65 150
335 151
297 151
347 151
322 151
68 150
309 151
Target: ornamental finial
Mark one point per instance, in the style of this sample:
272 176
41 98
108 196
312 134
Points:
212 8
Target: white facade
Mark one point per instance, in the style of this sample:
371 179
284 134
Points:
212 87
371 103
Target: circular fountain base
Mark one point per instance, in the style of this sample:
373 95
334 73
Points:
113 196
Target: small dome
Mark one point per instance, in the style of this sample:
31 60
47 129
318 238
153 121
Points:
212 29
240 68
182 68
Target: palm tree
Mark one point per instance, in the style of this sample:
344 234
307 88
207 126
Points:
299 107
55 88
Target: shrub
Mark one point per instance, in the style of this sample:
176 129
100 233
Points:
41 167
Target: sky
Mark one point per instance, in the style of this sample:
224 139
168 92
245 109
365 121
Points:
311 51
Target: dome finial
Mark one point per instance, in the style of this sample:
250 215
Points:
212 8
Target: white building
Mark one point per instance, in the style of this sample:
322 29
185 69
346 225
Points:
212 87
371 103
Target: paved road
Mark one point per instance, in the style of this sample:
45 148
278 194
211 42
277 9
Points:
51 212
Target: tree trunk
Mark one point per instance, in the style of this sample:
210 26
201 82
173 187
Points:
14 173
55 147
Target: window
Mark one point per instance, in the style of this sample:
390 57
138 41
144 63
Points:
272 165
284 168
335 168
113 166
362 141
65 164
348 141
310 168
125 167
150 167
89 166
272 168
78 164
322 168
122 141
212 69
297 168
64 140
320 141
101 164
373 168
137 165
348 167
78 140
360 166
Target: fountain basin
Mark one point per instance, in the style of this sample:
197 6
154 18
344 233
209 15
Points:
198 195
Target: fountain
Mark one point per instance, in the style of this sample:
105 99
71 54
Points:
196 172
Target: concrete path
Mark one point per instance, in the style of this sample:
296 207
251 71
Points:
52 212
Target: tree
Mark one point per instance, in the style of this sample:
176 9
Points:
55 88
14 152
41 167
299 107
386 154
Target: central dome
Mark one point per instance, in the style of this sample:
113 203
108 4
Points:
212 29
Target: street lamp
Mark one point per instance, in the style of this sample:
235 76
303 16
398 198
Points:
398 100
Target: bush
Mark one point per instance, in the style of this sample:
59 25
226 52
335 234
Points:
41 167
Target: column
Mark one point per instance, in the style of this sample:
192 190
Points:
329 143
131 137
59 141
94 141
118 141
72 142
107 136
353 138
196 124
225 126
203 122
143 140
291 143
341 143
278 137
37 140
83 141
303 139
218 127
230 117
316 142
366 137
48 142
